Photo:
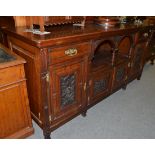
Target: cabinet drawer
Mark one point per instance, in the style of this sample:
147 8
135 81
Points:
68 52
10 75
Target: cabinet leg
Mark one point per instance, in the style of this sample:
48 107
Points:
47 135
139 77
152 62
84 113
124 87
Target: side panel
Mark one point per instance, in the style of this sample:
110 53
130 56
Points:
33 74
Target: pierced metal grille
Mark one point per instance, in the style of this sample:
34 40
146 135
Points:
68 86
100 86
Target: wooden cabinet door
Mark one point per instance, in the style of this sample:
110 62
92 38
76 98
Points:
150 53
120 75
100 85
138 58
67 89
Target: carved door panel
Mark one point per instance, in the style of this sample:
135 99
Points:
138 58
66 89
120 75
150 53
100 85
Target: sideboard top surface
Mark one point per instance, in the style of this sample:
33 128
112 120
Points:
60 35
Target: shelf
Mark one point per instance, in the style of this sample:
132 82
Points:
105 61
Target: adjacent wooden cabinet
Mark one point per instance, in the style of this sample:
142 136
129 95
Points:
73 68
15 119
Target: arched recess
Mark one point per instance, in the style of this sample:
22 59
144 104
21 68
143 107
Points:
125 46
103 52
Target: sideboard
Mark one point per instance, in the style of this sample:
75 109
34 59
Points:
73 68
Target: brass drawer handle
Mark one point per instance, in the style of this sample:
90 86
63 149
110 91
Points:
71 52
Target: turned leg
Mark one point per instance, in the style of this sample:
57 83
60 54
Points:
84 113
47 135
152 61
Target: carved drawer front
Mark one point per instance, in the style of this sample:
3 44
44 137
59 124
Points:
66 89
68 52
120 75
100 85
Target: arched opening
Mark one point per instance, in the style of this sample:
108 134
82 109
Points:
103 53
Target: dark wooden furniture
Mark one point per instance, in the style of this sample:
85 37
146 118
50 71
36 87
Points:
150 54
15 119
73 68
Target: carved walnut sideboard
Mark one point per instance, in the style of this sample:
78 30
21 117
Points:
73 68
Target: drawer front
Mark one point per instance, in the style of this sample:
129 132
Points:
68 52
11 75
